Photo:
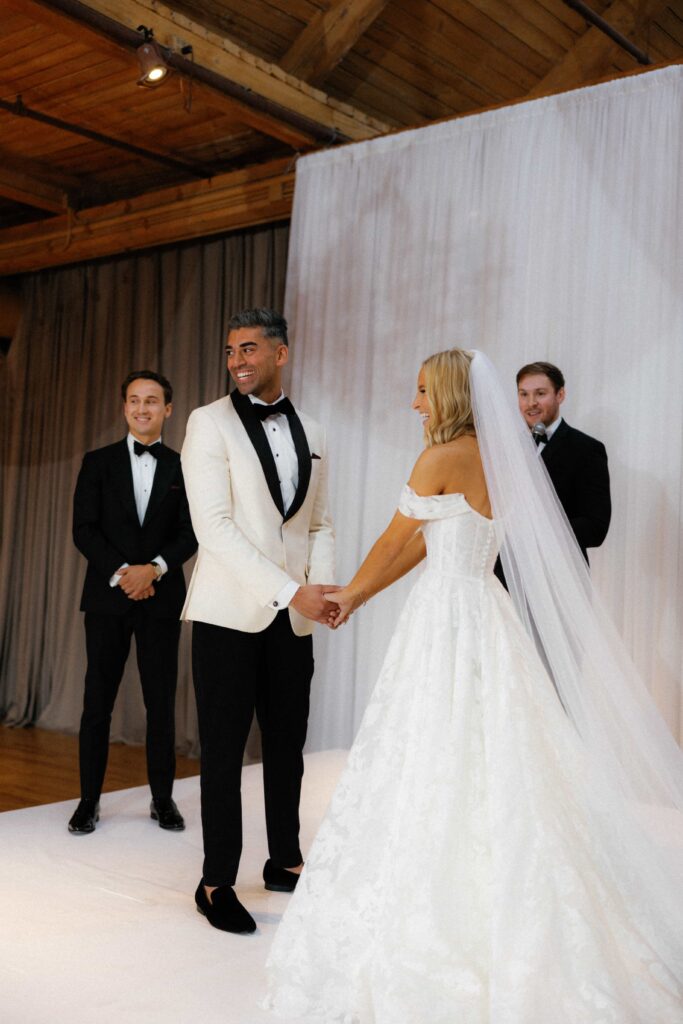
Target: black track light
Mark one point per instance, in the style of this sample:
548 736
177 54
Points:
153 66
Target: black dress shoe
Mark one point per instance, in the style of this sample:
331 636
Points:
224 910
84 817
279 879
164 810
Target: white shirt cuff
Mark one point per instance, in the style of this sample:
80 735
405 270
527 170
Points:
284 596
161 563
114 581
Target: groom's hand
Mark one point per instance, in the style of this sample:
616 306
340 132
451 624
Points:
310 601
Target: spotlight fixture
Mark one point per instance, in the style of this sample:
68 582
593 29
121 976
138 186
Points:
153 66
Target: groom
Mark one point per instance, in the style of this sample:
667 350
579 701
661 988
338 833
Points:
255 472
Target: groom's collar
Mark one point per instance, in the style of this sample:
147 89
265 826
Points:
257 436
259 401
549 431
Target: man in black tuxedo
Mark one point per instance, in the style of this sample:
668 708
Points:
576 463
132 522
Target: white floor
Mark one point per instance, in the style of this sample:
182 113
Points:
103 928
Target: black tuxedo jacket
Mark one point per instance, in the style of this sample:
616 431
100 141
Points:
577 466
107 531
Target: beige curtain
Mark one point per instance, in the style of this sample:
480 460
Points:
84 328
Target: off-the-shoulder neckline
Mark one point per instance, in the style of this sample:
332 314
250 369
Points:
452 494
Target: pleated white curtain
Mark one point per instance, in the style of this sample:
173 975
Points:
548 230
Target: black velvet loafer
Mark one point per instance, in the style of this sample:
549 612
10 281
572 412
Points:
279 879
164 810
84 818
224 910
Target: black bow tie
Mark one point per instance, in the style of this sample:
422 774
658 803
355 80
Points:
262 412
540 438
152 449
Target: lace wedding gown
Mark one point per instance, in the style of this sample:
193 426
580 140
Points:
467 871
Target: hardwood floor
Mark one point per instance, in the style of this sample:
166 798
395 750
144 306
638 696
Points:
41 767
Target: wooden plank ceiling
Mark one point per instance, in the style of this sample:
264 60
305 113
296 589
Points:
92 164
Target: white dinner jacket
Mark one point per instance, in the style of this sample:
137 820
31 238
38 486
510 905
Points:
248 549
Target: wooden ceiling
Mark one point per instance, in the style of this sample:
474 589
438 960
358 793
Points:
92 164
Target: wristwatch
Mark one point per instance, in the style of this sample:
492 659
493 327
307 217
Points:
158 571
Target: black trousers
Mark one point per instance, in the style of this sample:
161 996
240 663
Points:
234 674
107 640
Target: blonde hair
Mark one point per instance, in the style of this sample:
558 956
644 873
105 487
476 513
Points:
447 383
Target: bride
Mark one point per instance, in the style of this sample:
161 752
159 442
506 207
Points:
501 847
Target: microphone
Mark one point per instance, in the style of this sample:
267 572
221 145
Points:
538 433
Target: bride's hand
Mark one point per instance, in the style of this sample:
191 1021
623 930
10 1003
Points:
346 601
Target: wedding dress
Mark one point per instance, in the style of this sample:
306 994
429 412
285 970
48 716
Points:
457 877
505 843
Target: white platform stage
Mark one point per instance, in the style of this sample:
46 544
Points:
103 927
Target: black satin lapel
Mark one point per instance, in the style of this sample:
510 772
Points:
257 436
303 454
163 477
123 476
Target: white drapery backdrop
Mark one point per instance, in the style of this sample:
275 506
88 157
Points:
548 230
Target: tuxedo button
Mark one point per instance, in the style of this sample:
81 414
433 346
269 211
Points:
275 604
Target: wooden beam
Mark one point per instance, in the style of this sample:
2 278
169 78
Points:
42 170
23 188
212 97
328 37
40 11
262 79
593 52
255 195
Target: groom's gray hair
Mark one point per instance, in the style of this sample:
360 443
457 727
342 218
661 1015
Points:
272 323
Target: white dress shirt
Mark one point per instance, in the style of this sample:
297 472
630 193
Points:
549 431
282 446
143 467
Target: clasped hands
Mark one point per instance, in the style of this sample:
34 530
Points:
326 603
322 602
136 581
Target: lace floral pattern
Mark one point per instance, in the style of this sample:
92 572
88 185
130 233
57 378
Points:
462 874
